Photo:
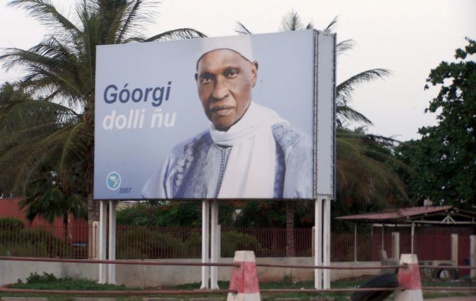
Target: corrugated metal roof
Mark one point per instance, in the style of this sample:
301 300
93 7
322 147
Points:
413 214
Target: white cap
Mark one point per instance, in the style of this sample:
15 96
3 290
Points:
239 44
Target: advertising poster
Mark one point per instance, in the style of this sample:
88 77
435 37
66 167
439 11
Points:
213 118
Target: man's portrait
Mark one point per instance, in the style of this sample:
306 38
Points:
248 151
213 118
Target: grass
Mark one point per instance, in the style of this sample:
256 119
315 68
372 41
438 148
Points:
50 282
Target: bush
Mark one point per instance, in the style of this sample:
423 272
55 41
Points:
32 242
234 241
38 242
10 230
50 281
11 223
145 244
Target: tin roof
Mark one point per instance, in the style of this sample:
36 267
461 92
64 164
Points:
427 214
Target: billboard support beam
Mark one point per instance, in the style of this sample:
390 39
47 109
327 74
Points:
210 243
325 151
102 240
326 245
215 244
111 268
205 243
318 243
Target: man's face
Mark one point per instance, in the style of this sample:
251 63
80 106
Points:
225 79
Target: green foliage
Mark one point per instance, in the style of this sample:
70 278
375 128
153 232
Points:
49 281
366 177
233 241
444 159
148 243
41 241
8 223
170 213
140 214
33 242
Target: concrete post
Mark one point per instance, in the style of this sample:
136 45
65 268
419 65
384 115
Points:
395 244
454 249
409 279
244 279
472 255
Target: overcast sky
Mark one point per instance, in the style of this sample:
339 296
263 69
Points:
408 37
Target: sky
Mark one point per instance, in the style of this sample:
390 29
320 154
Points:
407 37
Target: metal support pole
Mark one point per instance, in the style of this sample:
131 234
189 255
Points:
205 243
318 243
215 243
102 240
112 242
327 242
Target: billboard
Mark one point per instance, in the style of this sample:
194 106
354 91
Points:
213 118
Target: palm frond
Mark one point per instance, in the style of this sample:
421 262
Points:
344 90
344 46
46 13
177 34
293 22
346 113
363 167
332 24
242 29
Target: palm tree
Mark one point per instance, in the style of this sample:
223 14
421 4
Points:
48 198
375 174
61 71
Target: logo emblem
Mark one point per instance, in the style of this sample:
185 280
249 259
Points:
113 180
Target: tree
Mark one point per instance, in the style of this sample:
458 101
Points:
61 71
444 159
8 95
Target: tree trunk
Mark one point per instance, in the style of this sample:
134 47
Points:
65 226
93 216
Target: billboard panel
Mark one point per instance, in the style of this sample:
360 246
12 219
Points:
227 118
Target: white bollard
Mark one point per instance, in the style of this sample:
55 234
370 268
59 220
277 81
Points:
244 279
409 280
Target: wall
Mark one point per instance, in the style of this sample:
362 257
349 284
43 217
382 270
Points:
149 276
77 227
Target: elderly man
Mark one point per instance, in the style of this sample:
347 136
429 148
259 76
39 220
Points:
249 151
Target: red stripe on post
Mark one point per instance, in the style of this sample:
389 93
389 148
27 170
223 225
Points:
409 278
244 278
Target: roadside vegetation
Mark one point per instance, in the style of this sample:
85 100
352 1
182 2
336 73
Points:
47 281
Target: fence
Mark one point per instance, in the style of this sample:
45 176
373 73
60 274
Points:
133 242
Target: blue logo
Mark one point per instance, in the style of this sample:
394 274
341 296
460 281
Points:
113 180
